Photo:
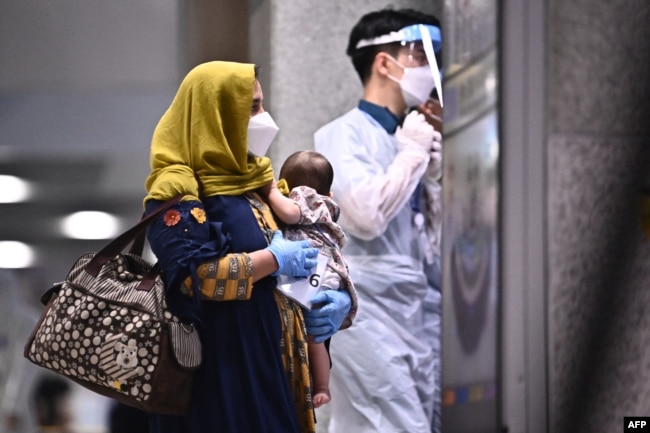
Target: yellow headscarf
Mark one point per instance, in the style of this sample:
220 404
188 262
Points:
200 146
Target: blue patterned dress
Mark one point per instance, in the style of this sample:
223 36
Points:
242 384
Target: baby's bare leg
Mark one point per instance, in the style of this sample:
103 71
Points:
319 364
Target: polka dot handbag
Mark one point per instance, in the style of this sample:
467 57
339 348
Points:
107 328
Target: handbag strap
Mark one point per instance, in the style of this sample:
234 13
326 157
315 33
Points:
116 246
137 247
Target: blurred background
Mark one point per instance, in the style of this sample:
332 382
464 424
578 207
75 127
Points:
83 85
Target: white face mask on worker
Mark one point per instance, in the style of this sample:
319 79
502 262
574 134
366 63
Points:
261 132
416 83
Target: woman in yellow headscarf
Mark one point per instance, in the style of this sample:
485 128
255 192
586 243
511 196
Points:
219 250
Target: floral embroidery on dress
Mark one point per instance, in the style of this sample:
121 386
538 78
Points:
172 217
198 214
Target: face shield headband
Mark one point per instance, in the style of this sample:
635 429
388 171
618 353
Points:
431 42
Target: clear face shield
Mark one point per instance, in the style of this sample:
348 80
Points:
422 42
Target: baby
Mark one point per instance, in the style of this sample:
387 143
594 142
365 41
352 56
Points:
310 213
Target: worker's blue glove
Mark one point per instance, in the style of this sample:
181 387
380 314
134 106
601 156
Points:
324 320
295 258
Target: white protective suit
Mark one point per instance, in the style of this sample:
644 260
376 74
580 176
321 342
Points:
385 368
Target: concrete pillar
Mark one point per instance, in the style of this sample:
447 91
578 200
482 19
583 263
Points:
598 160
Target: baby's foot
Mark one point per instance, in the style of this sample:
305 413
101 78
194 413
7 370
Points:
321 398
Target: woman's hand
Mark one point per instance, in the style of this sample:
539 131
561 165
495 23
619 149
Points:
295 258
324 321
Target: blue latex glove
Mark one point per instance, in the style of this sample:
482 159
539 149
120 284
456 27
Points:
295 258
322 322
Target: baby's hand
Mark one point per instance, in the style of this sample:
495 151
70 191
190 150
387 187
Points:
266 189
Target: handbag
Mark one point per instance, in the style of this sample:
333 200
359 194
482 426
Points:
107 327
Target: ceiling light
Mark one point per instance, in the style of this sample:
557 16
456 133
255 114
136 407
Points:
90 225
13 189
14 254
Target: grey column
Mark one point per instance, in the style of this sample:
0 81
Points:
598 258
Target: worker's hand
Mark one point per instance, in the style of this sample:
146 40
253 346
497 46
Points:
416 130
295 258
331 307
434 169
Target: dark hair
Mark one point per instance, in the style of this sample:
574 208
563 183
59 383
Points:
308 168
379 23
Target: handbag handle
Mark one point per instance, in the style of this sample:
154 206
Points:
116 246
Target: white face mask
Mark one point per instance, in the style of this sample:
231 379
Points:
416 84
261 132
